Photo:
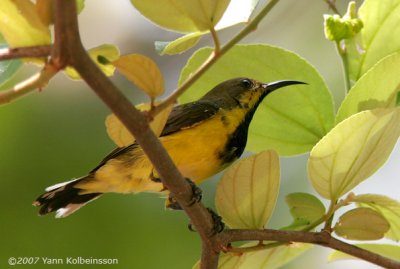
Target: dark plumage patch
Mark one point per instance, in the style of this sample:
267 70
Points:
238 139
188 115
61 197
235 145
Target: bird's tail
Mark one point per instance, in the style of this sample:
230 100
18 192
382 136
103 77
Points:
65 198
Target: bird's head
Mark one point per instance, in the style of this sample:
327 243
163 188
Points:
243 92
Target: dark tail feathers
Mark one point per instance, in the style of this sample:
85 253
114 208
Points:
63 198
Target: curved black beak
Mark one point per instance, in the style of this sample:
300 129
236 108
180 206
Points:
279 84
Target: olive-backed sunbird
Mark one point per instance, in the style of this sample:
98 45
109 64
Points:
202 138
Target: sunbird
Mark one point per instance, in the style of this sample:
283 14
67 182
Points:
202 138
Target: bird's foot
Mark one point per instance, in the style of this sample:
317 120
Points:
172 203
218 224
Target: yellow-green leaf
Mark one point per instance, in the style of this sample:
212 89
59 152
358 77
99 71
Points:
387 206
246 194
108 51
183 15
380 35
386 250
353 151
21 25
304 208
362 224
122 137
143 72
376 88
277 123
179 45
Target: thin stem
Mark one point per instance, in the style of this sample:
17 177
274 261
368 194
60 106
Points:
217 45
25 52
343 55
37 81
332 6
213 58
320 238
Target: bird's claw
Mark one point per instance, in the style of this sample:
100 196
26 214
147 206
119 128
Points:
172 203
218 224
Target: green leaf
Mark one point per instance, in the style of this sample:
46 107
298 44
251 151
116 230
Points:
237 12
277 124
183 15
361 224
388 207
247 193
179 45
381 32
353 151
274 257
8 68
376 88
386 250
108 51
20 24
304 208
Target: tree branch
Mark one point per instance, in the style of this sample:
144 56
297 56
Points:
68 50
321 238
209 257
25 52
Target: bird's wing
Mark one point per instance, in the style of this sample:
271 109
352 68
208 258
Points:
116 152
187 115
182 116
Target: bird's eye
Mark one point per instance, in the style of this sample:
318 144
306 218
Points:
246 83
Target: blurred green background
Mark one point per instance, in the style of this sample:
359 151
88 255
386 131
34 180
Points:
59 134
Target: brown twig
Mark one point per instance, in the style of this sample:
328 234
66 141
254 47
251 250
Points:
320 238
68 50
25 52
332 5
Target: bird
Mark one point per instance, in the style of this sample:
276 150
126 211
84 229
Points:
202 138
